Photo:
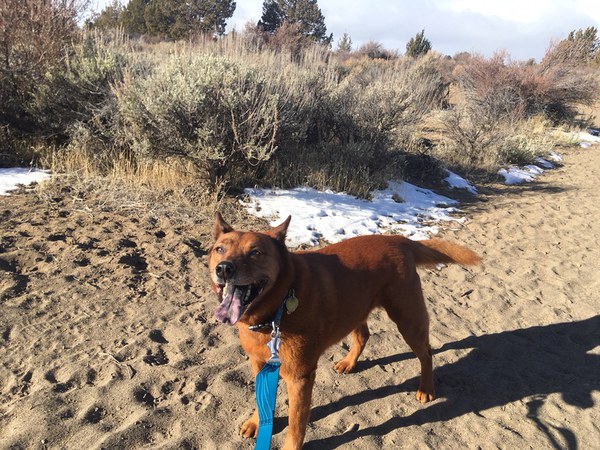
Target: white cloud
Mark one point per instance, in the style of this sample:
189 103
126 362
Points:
245 11
517 11
591 8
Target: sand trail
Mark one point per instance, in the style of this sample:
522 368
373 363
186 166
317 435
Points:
108 341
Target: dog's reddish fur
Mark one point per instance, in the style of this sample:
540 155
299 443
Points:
337 287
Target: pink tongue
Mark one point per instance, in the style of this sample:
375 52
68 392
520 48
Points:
230 309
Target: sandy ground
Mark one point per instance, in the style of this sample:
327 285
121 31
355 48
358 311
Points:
108 341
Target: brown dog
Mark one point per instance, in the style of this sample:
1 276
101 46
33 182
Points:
337 287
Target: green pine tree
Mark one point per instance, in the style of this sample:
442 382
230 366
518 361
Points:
418 45
580 48
109 17
584 44
272 16
178 19
344 45
209 16
306 14
132 19
160 17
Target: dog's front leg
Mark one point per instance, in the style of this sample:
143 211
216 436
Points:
299 394
250 427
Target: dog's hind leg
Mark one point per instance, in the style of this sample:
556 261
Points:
412 320
360 336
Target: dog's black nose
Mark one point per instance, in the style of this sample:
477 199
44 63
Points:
225 270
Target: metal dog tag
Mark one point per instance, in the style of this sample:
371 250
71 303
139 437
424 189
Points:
291 304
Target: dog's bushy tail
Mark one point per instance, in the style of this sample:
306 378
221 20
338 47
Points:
434 251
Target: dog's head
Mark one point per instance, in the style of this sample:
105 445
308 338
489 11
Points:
244 266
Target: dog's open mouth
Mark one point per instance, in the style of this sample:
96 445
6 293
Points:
233 300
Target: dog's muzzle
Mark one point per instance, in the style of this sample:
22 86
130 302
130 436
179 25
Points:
233 298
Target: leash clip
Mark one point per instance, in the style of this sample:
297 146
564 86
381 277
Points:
274 344
259 327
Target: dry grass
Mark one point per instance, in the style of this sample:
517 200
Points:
120 182
589 115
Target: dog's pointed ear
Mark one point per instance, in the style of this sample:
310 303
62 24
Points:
221 226
280 230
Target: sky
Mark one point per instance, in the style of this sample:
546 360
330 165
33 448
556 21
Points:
523 28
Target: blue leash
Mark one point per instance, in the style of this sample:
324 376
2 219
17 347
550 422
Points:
266 387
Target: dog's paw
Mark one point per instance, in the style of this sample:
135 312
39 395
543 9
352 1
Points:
425 397
344 366
250 428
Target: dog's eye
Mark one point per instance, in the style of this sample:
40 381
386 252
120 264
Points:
254 252
220 250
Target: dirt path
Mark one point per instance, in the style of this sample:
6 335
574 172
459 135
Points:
107 337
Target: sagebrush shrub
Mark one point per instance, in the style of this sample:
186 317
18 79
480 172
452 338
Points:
213 111
35 39
377 101
491 125
80 93
552 88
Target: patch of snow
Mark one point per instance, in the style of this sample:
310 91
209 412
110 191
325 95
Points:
544 163
518 175
555 157
11 178
455 181
332 217
586 139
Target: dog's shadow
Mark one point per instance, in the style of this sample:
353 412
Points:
499 369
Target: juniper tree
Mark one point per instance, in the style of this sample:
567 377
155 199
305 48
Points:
109 17
418 45
132 18
176 19
272 16
345 44
304 13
